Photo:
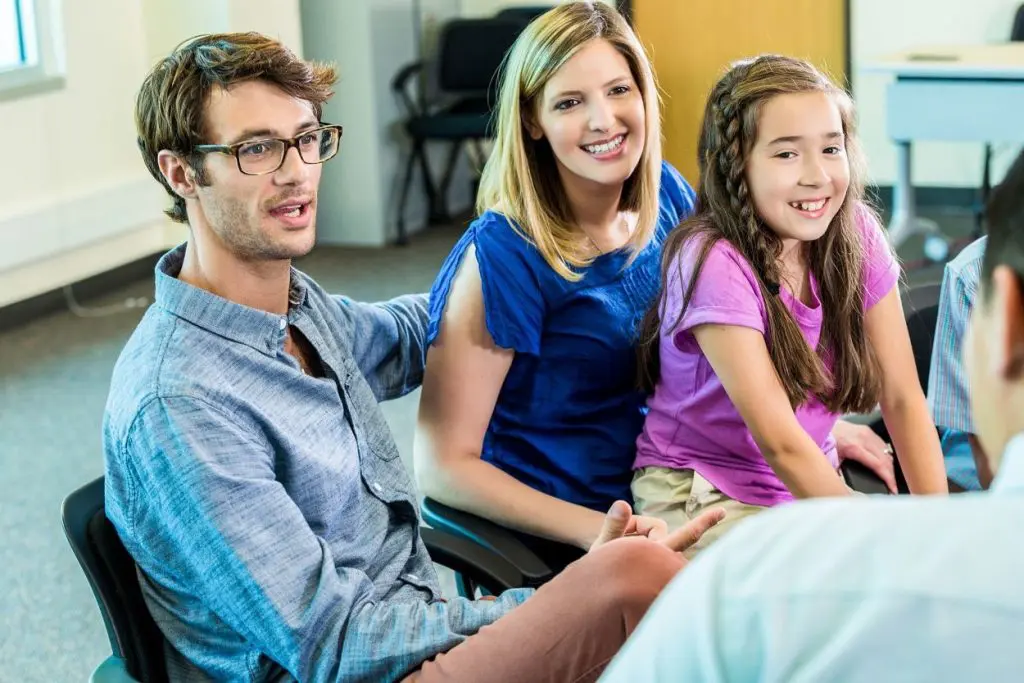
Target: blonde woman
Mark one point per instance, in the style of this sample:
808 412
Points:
530 410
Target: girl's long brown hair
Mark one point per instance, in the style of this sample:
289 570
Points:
725 211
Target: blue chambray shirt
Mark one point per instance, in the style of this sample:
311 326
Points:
274 525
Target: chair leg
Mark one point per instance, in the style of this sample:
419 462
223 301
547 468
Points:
481 155
442 214
428 180
410 163
478 171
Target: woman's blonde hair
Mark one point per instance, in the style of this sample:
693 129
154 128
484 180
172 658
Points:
520 179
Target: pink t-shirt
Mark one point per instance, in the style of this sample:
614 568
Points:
692 423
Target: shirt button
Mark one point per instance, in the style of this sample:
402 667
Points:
282 323
376 487
414 577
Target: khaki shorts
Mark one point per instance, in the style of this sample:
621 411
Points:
677 496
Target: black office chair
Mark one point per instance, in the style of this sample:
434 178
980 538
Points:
136 642
1016 35
921 310
524 14
470 54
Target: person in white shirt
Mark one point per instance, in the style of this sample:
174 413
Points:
900 588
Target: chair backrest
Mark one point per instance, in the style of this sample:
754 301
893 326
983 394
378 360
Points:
470 54
921 310
112 575
523 14
1017 31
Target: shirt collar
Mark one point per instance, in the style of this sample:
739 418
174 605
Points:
261 330
1010 478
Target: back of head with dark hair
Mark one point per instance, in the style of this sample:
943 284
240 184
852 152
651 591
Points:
1004 217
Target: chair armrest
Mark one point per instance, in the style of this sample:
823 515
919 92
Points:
856 475
485 567
112 670
861 479
490 536
400 86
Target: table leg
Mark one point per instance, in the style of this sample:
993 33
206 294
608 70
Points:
905 221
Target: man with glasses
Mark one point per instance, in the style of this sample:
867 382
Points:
249 470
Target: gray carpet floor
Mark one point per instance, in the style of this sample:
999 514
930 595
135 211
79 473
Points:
54 375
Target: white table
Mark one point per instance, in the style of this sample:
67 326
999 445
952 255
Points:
962 93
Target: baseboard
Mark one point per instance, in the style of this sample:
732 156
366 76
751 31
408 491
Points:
36 289
22 312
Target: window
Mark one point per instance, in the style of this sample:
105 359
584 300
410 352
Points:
17 36
28 54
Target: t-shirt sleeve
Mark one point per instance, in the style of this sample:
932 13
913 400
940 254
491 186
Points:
726 292
881 269
514 304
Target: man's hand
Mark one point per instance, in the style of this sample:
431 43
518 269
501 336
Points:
860 443
620 521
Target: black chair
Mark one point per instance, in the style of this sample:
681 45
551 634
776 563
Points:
470 53
524 14
136 642
921 310
1016 35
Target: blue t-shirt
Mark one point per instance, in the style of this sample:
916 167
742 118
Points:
569 412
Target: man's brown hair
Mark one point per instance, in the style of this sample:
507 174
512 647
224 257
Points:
170 105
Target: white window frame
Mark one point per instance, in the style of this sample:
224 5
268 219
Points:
44 44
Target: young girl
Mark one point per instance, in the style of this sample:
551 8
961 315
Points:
779 312
529 412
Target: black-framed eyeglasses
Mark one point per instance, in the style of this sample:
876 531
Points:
259 157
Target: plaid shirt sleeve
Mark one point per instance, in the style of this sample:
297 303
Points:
948 391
